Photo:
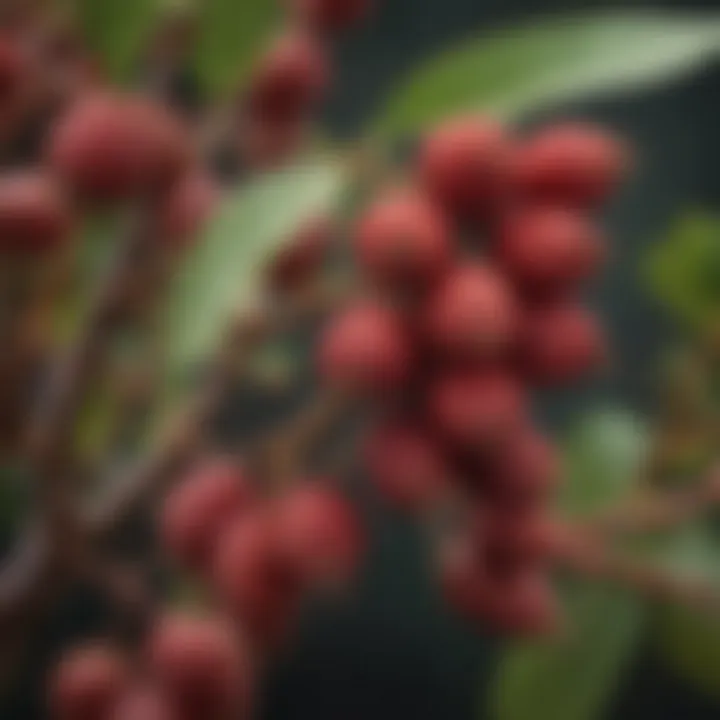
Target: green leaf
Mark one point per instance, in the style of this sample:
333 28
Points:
117 31
572 677
688 640
223 269
230 34
552 60
602 459
683 271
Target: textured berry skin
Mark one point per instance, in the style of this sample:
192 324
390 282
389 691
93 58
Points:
253 580
200 665
365 349
195 513
143 702
406 466
477 410
466 164
560 344
87 683
301 259
526 470
571 164
319 534
331 15
549 250
34 216
115 147
472 314
403 240
290 80
187 207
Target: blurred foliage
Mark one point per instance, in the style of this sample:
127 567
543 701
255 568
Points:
230 34
117 30
552 60
573 676
683 271
223 268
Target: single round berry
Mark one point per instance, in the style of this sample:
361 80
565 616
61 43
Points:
472 313
196 511
253 580
114 147
466 164
87 683
200 665
290 80
188 206
572 164
549 250
34 215
560 344
365 348
319 534
477 411
402 240
142 702
526 469
331 15
301 259
406 466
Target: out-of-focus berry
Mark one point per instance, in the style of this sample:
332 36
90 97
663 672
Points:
331 15
143 702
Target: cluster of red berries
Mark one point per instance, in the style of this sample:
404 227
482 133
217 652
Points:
258 558
475 269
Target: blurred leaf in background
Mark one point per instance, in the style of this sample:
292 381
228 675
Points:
683 271
574 676
551 60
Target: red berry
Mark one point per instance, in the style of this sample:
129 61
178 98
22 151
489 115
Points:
87 682
112 147
143 702
526 469
200 665
253 579
332 15
406 466
365 348
477 410
403 240
466 164
319 534
265 143
187 207
472 313
300 260
572 164
12 69
560 344
549 250
290 80
34 216
200 507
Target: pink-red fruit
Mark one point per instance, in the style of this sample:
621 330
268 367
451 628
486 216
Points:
365 348
188 206
290 80
115 147
472 313
403 240
200 665
34 216
560 344
12 69
406 466
549 250
572 164
143 702
196 512
466 164
331 15
87 683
